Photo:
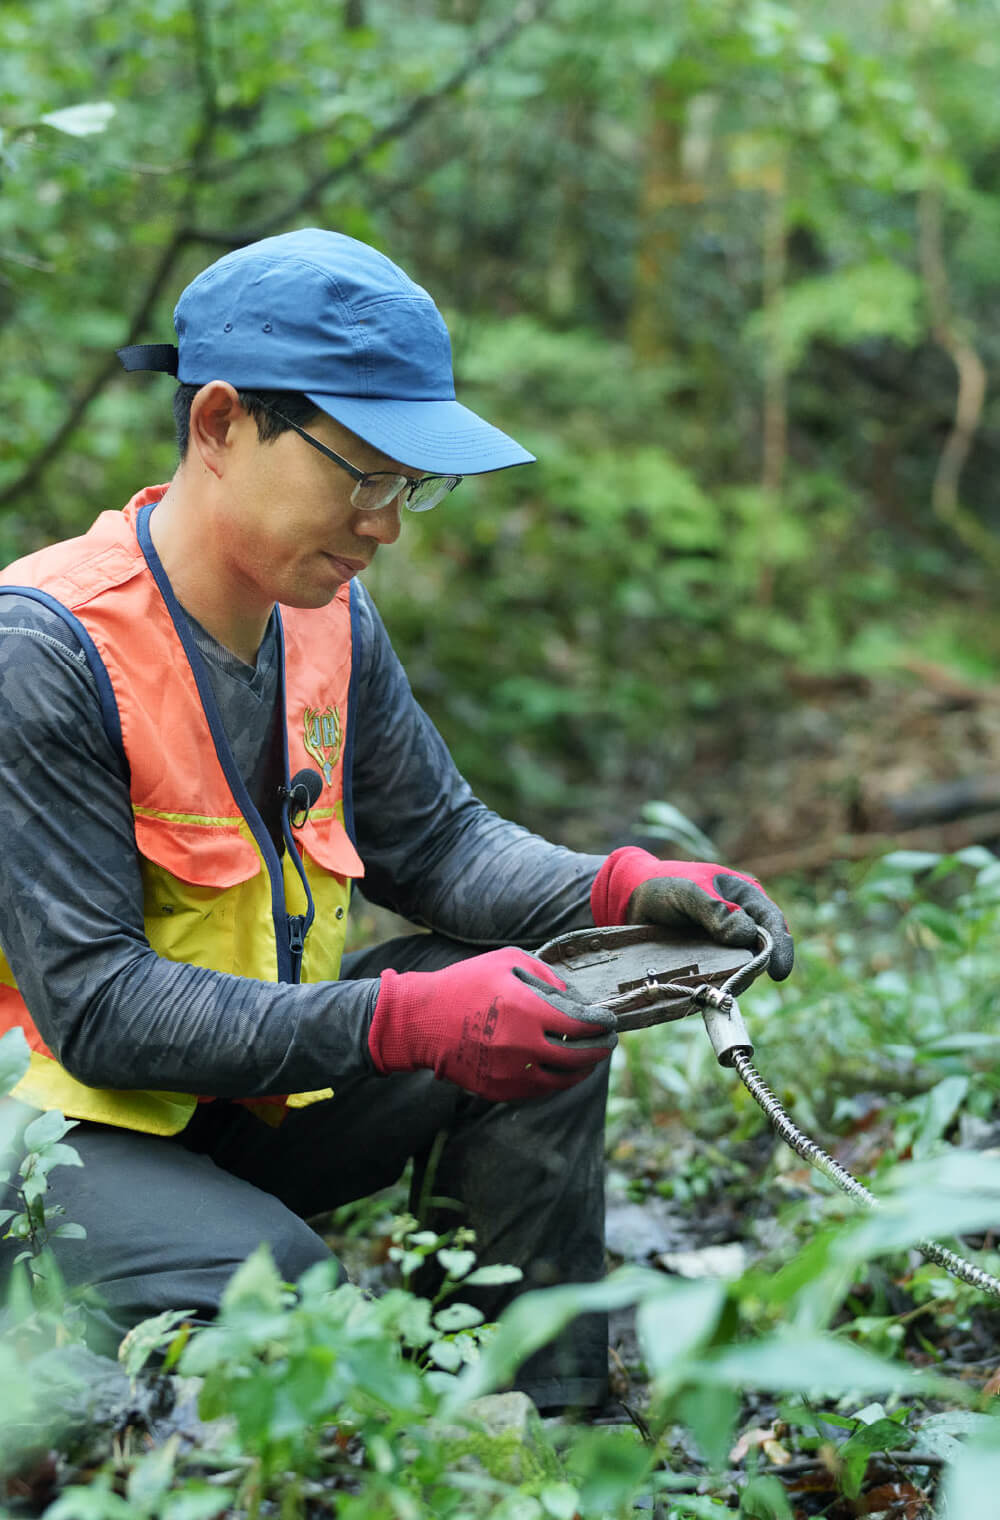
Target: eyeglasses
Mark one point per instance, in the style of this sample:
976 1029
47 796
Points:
379 489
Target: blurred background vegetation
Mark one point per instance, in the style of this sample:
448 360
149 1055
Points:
727 266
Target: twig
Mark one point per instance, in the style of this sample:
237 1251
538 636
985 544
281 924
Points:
800 1465
971 385
161 274
523 15
904 1458
775 261
185 232
57 440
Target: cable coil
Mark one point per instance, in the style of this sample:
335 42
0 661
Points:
716 1000
758 1089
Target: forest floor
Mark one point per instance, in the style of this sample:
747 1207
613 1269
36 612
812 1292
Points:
695 1188
693 1206
841 768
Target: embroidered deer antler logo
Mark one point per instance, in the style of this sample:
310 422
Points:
323 734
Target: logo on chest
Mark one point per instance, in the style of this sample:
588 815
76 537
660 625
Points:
323 735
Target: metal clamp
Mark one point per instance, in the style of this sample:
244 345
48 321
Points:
646 974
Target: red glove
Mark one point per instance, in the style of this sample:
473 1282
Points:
501 1025
633 887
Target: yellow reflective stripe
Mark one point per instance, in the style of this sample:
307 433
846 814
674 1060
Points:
201 819
303 1100
206 821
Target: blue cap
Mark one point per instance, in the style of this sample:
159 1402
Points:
321 313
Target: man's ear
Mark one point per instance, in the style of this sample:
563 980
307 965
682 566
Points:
216 414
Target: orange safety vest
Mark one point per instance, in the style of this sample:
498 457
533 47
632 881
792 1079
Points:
215 891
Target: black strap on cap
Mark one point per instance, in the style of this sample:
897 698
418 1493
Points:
161 356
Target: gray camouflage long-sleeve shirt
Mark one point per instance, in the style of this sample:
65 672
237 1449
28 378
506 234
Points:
71 912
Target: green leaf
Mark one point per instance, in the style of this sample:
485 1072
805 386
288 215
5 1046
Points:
152 1476
33 1187
91 1501
457 1317
674 1322
945 1044
661 820
14 1058
255 1284
560 1500
57 1154
408 1262
710 1413
908 862
148 1336
456 1263
881 1435
446 1354
607 1470
69 1232
47 1129
939 1108
81 120
196 1501
412 1321
943 1435
532 1320
764 1498
493 1276
972 1482
945 1194
808 1363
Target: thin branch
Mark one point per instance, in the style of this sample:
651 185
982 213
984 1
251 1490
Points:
716 1483
523 15
971 385
184 233
775 268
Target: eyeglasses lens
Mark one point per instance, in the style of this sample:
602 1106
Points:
378 490
427 493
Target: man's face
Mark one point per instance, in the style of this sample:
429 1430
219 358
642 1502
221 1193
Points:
291 531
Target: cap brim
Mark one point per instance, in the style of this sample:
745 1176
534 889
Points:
440 437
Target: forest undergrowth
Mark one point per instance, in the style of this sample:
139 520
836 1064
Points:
772 1353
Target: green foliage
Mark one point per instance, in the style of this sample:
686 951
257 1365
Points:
320 1390
588 207
14 1058
41 1143
644 576
879 299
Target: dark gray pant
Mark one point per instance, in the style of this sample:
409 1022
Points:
169 1220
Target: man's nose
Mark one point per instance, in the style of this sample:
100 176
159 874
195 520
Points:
383 525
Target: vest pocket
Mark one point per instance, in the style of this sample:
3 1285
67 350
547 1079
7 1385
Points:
207 852
207 898
325 840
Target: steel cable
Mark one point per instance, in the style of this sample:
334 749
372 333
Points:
758 1089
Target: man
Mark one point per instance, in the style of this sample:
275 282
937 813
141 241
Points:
207 739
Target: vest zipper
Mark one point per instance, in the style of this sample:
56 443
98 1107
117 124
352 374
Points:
296 942
290 944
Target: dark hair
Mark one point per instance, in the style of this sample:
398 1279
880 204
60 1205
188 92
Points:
258 403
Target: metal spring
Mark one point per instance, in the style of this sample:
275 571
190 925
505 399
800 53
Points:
758 1089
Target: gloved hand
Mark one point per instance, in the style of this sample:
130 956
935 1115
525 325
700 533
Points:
501 1025
633 887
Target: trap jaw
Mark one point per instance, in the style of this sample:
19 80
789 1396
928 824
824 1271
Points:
646 974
